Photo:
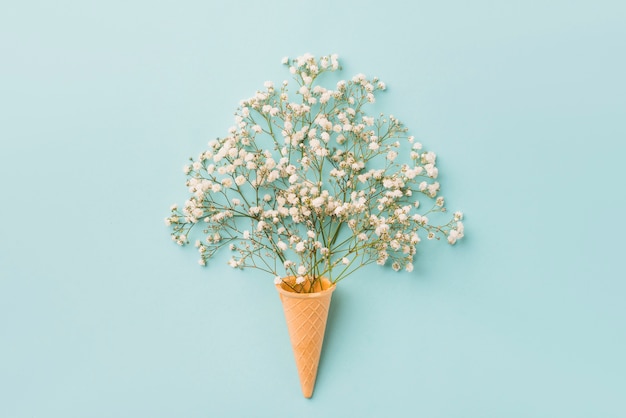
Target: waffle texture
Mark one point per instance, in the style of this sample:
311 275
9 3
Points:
306 316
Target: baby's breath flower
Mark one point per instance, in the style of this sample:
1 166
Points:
307 181
452 236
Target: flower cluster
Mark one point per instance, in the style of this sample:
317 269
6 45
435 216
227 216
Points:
310 186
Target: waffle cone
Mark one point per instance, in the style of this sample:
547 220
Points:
306 315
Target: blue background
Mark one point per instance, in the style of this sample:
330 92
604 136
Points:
101 315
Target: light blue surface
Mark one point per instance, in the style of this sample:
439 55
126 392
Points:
101 315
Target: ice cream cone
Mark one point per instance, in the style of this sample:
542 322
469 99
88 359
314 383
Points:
306 315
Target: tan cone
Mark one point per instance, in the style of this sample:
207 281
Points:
306 315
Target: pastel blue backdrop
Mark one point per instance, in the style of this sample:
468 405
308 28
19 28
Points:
101 315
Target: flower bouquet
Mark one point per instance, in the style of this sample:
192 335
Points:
309 188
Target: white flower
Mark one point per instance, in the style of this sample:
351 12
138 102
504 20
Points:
300 280
433 189
281 245
381 229
431 170
246 234
452 236
300 247
337 173
429 157
239 180
273 176
358 77
285 60
301 270
278 280
345 261
317 202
